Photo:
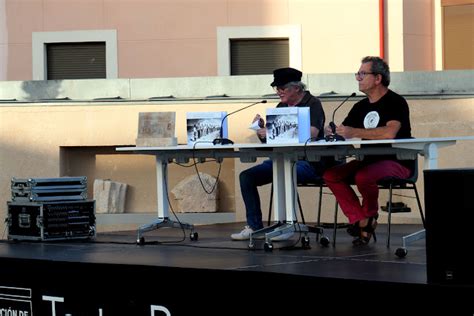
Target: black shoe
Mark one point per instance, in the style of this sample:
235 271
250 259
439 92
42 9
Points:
366 233
354 229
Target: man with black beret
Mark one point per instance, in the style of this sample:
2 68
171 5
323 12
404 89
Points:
292 92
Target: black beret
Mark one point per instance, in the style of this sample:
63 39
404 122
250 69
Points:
284 75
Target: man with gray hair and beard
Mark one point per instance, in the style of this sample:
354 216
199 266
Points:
292 92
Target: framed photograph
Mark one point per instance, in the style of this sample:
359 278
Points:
205 126
287 125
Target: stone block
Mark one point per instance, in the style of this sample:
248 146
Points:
109 196
156 129
156 142
191 196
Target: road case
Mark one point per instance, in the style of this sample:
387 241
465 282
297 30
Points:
49 189
51 220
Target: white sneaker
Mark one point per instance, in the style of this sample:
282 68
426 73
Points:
243 235
283 237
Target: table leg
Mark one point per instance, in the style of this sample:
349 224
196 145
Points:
162 206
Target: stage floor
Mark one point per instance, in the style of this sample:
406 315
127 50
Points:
216 267
215 250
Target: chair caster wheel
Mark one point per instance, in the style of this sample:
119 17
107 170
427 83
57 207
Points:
305 242
401 252
324 241
267 247
194 236
141 241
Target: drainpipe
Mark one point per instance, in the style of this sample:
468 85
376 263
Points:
382 28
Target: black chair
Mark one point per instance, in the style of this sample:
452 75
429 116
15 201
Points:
388 183
318 229
391 183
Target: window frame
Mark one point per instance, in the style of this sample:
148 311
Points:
40 39
225 34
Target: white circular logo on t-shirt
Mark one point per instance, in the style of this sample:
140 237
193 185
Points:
371 120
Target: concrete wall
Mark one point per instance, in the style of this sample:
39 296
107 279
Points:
220 89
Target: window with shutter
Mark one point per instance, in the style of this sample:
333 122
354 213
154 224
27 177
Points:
458 36
257 50
75 55
76 60
258 56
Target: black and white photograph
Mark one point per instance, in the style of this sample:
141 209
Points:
282 125
203 126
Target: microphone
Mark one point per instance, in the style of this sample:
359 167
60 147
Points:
334 136
225 141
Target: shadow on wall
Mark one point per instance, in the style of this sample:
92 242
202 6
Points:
43 90
20 162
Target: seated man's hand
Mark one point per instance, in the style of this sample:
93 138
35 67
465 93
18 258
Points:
262 133
327 130
345 131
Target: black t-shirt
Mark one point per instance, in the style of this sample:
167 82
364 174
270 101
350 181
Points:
390 107
316 112
317 119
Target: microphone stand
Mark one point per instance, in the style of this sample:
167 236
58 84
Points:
225 141
334 136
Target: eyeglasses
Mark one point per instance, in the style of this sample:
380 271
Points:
362 74
281 88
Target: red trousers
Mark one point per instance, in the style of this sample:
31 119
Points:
365 177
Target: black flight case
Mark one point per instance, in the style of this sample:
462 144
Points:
50 209
58 220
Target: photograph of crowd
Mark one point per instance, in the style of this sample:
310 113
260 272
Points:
282 128
203 127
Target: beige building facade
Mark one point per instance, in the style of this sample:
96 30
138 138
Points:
173 55
187 38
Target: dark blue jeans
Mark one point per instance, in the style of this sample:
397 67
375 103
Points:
262 174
